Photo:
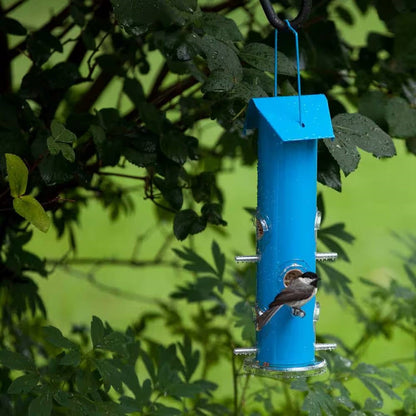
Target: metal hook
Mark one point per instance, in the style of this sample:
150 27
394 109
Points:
279 24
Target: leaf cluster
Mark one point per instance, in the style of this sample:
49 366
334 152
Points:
202 67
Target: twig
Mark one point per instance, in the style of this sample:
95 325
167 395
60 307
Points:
97 48
235 385
164 247
162 206
243 393
115 291
389 363
14 6
123 175
112 262
158 81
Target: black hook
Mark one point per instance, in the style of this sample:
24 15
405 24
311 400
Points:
279 24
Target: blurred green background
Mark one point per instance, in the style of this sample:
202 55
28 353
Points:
376 201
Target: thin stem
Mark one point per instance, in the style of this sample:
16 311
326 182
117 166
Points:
243 394
14 6
162 206
388 363
235 384
112 262
115 291
289 402
97 48
123 175
158 81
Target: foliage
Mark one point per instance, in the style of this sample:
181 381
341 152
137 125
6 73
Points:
63 147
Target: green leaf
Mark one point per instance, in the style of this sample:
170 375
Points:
174 146
53 146
218 81
136 17
261 56
219 259
220 27
194 262
243 313
61 134
373 105
12 26
197 291
97 332
23 384
61 141
338 282
171 192
16 361
364 133
56 169
318 402
409 402
221 56
41 45
344 14
17 173
187 222
401 118
41 405
134 90
162 410
342 148
211 212
191 358
71 358
110 374
328 169
32 210
54 336
115 342
68 152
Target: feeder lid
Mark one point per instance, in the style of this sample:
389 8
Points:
282 116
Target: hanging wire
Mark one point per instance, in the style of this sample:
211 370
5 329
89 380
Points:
277 23
298 70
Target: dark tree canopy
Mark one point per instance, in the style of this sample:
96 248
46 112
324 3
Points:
176 64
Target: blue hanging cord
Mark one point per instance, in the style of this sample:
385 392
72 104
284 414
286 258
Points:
298 71
275 62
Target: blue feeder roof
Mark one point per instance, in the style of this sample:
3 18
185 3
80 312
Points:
282 115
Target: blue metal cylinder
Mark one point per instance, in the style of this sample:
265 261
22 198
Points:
287 174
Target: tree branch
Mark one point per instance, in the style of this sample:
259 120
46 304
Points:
54 22
123 175
96 89
158 82
14 6
111 262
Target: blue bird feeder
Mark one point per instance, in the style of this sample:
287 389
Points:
286 222
287 218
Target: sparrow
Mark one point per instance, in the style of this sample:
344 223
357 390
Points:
300 291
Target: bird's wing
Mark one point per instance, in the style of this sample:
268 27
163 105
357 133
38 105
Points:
294 292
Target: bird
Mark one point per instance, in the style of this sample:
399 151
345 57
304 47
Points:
299 292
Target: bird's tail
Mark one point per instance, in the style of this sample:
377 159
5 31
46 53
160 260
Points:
265 317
